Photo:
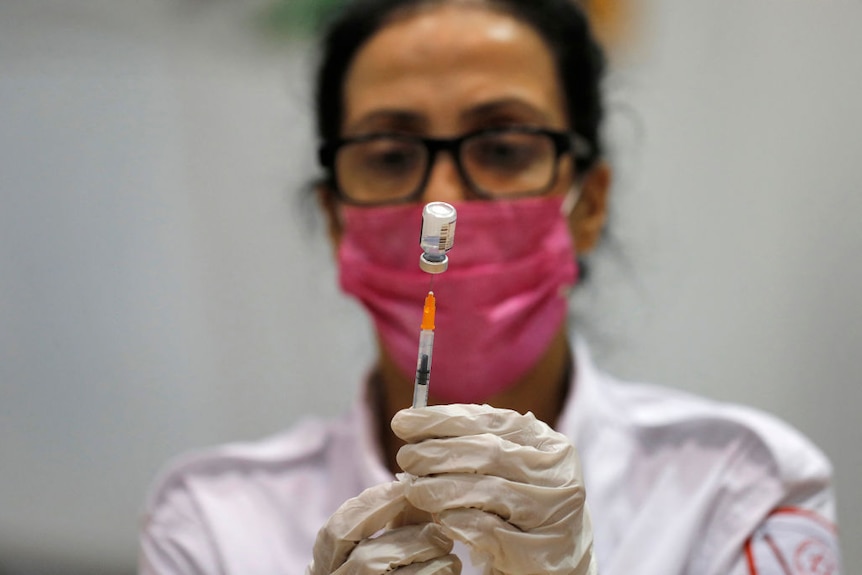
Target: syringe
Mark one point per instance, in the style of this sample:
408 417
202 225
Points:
436 238
426 348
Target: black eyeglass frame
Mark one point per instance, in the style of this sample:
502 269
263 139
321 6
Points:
563 141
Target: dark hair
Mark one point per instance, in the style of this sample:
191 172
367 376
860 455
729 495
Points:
561 23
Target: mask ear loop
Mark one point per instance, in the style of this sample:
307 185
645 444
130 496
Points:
566 209
571 200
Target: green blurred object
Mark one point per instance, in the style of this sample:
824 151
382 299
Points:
289 18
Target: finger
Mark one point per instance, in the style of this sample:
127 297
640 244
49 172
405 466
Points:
525 506
516 551
355 520
456 420
492 455
447 565
396 548
409 515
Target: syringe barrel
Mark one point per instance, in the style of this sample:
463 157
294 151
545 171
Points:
426 346
423 368
420 388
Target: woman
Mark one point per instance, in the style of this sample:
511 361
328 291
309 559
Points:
493 106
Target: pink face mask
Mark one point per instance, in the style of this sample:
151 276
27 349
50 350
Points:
499 304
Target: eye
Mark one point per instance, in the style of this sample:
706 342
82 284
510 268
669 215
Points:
509 152
390 157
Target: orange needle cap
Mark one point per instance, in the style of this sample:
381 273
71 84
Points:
428 311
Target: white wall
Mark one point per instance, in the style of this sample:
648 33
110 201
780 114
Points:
160 288
744 218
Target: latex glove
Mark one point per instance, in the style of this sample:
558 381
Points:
408 544
505 484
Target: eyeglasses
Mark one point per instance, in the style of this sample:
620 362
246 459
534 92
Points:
494 163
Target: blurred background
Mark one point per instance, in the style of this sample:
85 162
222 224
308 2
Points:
163 286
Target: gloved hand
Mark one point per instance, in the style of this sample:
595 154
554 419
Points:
410 544
505 484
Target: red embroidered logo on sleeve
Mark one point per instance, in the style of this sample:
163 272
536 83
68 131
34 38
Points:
794 542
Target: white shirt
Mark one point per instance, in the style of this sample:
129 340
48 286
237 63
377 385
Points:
676 485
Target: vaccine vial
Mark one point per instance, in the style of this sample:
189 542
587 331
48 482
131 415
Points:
437 237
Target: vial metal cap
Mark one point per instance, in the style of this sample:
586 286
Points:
433 267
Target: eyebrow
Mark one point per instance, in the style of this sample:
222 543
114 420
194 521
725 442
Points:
505 106
396 119
389 119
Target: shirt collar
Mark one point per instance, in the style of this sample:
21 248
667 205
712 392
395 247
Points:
371 460
573 419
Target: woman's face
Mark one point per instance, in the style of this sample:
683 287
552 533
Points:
451 68
448 69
